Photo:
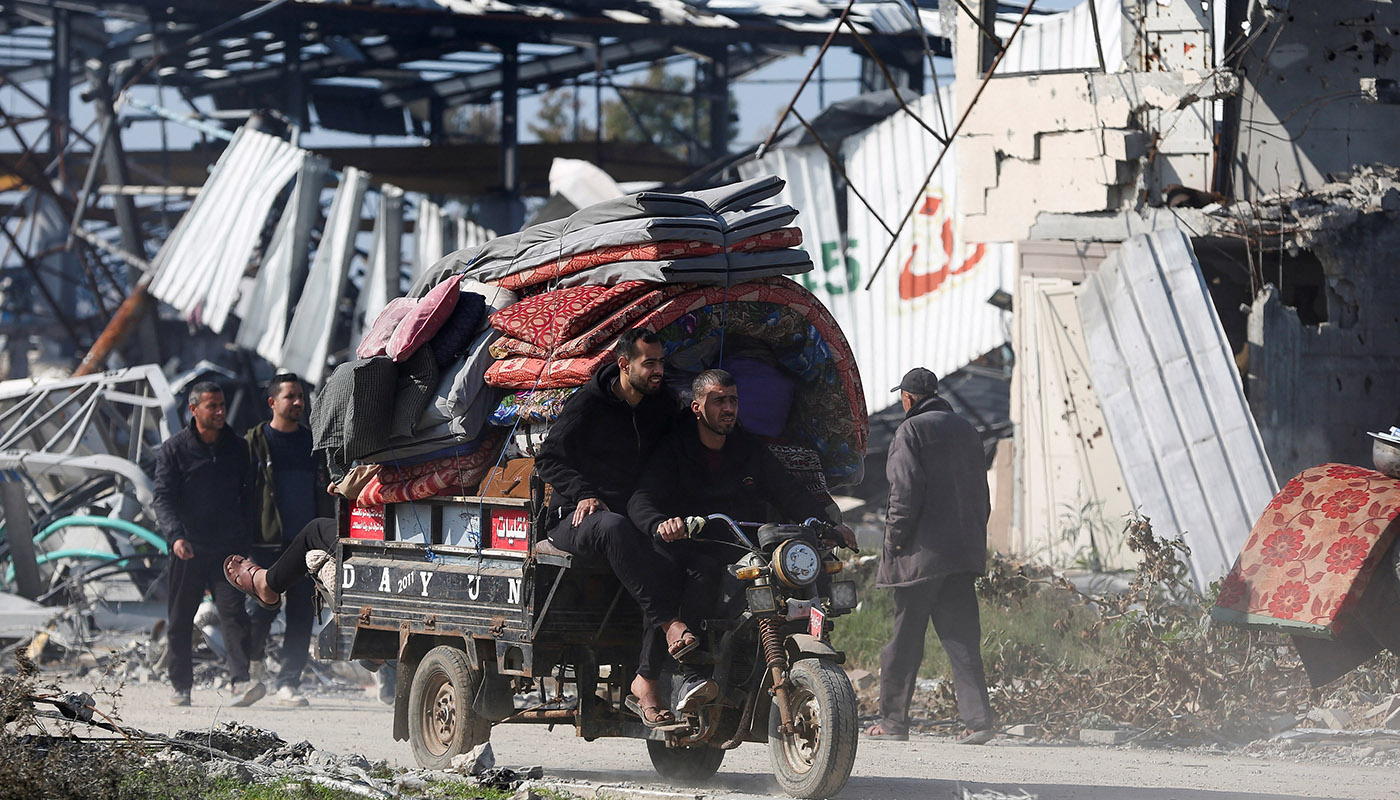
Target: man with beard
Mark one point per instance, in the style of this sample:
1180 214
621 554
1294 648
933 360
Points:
289 481
715 467
593 458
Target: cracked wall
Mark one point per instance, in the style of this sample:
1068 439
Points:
1315 390
1303 116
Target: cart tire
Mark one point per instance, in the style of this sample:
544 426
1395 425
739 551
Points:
816 761
441 722
684 764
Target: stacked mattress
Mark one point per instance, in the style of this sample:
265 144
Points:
706 270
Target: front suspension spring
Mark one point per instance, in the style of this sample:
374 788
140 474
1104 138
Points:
776 658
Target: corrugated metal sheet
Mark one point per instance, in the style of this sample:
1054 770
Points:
267 308
1066 40
1073 499
928 306
313 323
1185 439
385 260
428 242
199 266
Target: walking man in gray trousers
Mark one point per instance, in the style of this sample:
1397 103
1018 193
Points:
935 549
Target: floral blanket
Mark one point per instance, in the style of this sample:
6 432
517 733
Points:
452 475
648 251
553 317
1310 555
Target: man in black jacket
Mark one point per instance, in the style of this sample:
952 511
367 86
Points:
935 548
290 482
715 467
206 507
593 458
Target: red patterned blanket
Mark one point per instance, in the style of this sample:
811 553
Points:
1310 555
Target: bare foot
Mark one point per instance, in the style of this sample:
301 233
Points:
648 693
260 586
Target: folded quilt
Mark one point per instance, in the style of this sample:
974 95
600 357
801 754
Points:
539 373
1311 553
554 317
601 333
457 474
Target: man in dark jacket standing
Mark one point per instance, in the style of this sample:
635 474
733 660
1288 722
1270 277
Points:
204 501
935 549
593 459
290 486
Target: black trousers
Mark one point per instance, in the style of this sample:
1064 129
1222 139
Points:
951 603
701 566
299 604
653 581
188 581
290 566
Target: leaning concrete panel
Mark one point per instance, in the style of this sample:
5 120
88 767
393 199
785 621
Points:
1187 444
1072 496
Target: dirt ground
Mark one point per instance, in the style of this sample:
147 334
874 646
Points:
345 721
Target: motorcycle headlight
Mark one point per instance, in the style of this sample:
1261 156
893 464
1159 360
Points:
796 563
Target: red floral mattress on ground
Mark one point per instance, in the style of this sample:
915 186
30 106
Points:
1311 554
647 251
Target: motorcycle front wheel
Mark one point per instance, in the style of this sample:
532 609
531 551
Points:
815 760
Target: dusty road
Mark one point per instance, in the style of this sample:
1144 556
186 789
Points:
345 722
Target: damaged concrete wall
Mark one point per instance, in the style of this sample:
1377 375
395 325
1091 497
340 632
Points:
1316 389
1084 142
1302 113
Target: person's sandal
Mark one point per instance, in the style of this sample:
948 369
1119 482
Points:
654 717
969 736
682 645
878 731
240 571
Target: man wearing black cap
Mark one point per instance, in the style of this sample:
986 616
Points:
935 548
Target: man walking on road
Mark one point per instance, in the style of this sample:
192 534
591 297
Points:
205 504
291 491
935 549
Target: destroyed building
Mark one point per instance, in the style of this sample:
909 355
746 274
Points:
1165 224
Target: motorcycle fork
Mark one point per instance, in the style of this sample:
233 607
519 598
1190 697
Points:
776 657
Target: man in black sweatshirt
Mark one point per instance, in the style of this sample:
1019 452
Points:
205 503
593 459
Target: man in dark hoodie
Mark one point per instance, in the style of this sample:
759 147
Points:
593 459
713 466
935 549
205 504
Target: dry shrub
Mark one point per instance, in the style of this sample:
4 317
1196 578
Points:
1164 670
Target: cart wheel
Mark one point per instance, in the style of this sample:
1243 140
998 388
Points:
684 764
441 722
815 760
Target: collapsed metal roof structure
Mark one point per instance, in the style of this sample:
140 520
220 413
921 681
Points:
84 209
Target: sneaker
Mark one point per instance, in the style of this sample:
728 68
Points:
250 695
696 692
289 696
179 698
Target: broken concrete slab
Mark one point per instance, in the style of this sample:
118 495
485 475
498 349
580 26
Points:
1105 737
1023 731
860 679
1333 718
1385 709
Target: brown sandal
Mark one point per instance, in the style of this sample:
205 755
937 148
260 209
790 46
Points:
880 731
682 645
240 571
653 717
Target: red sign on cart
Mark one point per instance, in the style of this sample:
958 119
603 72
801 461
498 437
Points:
510 529
816 623
367 522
